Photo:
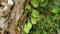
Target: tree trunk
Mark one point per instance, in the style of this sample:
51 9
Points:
13 17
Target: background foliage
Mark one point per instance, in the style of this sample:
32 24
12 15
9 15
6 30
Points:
42 17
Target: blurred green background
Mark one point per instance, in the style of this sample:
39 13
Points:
42 17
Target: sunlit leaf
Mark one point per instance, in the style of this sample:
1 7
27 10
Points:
26 29
35 3
33 20
28 6
18 28
55 10
29 25
35 13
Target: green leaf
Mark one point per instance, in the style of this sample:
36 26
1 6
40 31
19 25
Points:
43 3
44 32
37 32
27 27
58 31
28 6
18 28
33 20
55 10
35 13
35 3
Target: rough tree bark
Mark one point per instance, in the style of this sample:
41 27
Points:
14 16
